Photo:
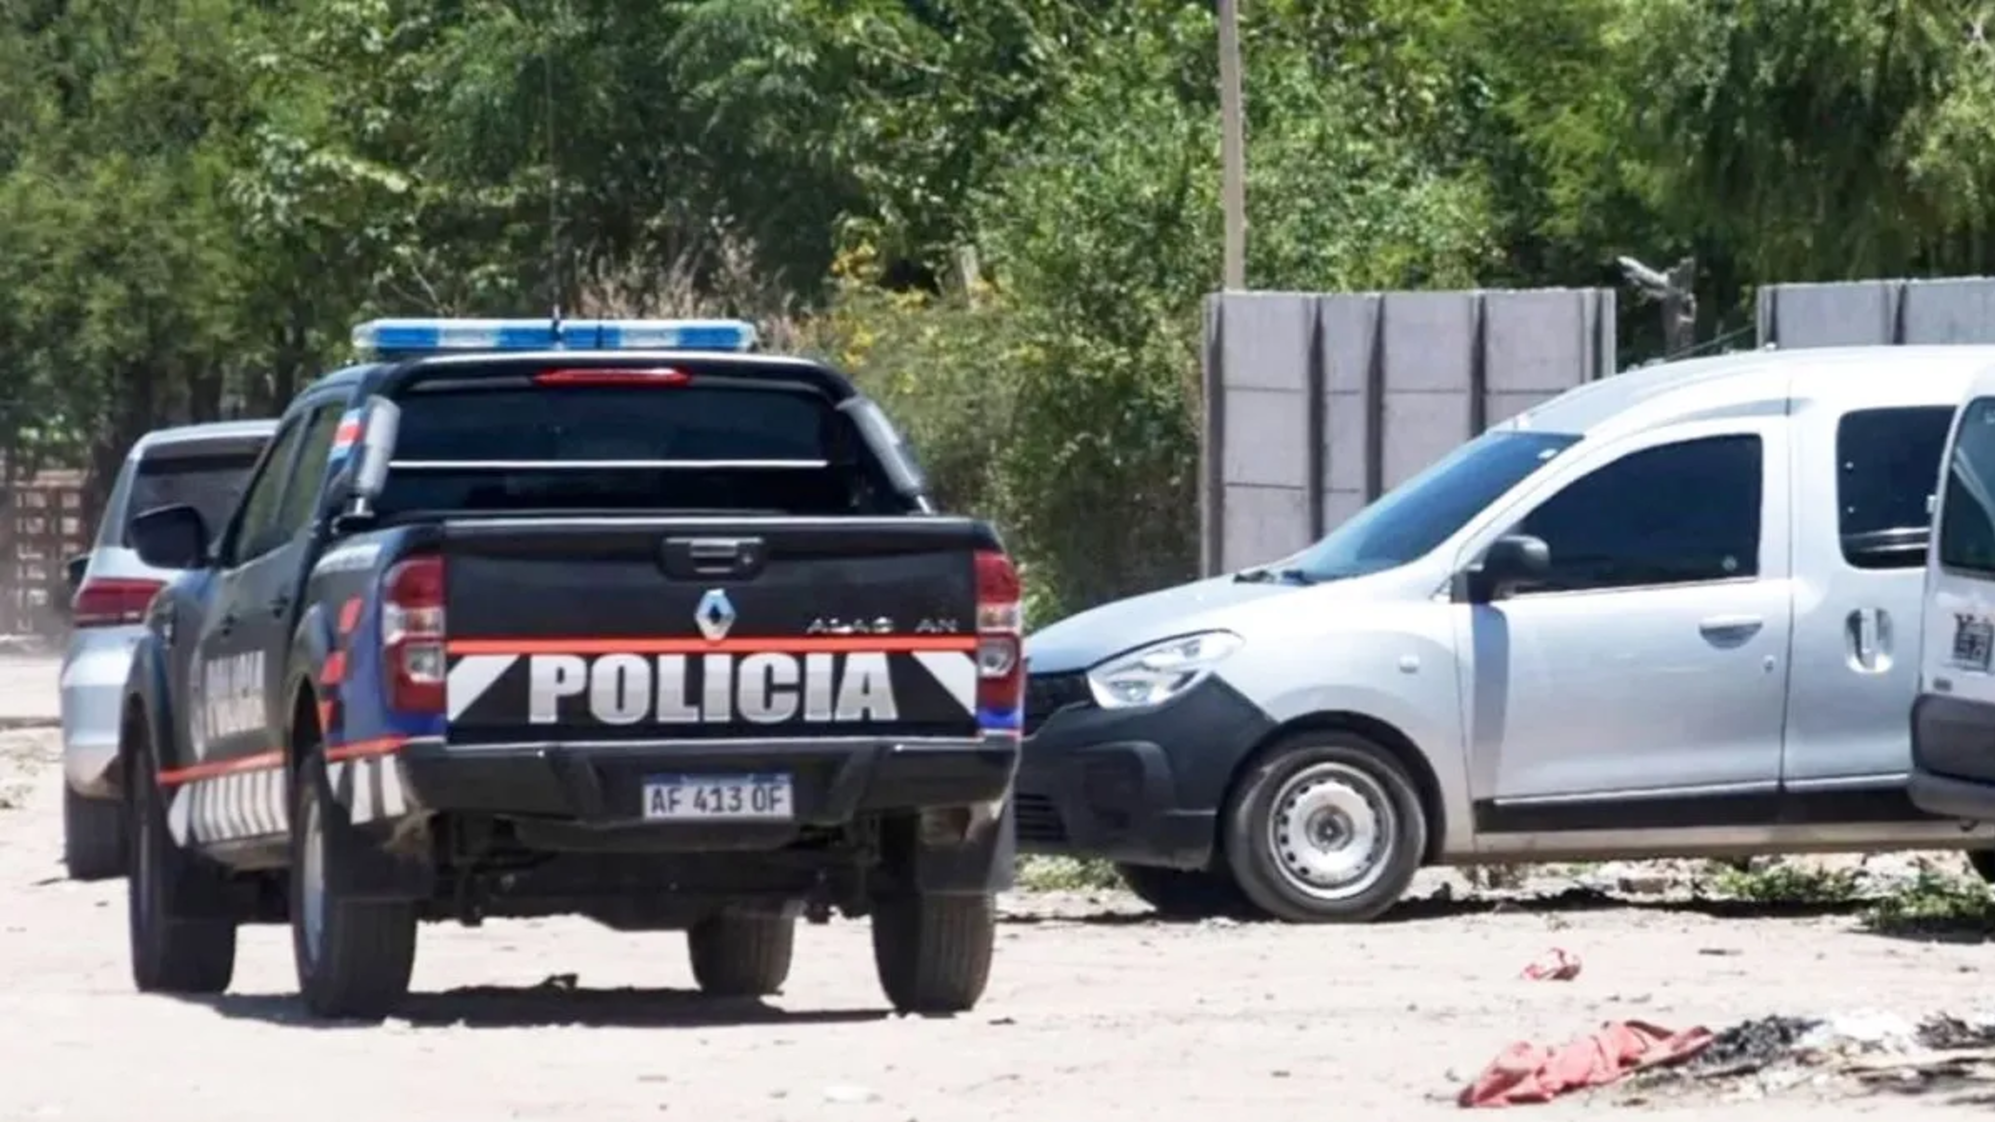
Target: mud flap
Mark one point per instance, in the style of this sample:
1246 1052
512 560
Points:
365 869
981 862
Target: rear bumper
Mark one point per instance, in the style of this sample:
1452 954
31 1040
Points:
602 784
1953 757
92 691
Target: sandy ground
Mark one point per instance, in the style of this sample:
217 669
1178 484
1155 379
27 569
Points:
1095 1012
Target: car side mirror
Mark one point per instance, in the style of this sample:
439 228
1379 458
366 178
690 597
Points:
171 537
1509 561
366 467
379 424
73 570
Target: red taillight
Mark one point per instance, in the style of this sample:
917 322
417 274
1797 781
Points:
112 602
412 635
664 376
1000 670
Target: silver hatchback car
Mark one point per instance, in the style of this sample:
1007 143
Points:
201 465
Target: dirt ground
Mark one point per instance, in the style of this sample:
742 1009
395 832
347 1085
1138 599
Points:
1095 1012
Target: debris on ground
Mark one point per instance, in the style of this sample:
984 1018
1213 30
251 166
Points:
1748 1046
1943 1031
1527 1072
1556 965
1759 1057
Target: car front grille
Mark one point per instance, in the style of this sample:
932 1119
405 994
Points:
1038 820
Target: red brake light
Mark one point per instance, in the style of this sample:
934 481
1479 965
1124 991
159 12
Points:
112 601
412 634
663 376
1000 667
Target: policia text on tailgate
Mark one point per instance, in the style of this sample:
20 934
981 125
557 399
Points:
618 619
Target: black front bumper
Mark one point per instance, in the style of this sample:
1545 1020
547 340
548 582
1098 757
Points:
1140 786
1953 757
603 784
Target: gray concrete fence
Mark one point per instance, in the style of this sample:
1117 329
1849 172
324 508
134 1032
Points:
1870 313
1317 404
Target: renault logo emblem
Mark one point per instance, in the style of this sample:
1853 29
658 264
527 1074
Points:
714 615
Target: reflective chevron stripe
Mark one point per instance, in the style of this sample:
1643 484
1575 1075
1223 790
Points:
232 807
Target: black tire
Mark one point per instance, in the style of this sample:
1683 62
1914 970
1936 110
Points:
93 836
172 951
1359 790
742 955
1982 861
354 958
1186 893
933 953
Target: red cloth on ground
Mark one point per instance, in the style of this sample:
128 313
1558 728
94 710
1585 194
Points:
1534 1073
1557 965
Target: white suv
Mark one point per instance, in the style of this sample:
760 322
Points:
204 466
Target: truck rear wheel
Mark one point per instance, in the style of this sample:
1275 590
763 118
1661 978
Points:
933 953
742 955
172 951
354 957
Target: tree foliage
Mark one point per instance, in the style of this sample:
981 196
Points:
1002 215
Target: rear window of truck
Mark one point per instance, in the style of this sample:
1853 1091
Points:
674 448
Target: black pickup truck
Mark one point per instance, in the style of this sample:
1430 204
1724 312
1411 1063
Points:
622 619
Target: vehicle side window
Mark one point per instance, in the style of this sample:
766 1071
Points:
252 535
1673 514
1967 515
301 498
1887 462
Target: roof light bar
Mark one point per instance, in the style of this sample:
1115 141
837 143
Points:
403 338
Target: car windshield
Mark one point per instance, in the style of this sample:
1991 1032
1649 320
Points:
1409 521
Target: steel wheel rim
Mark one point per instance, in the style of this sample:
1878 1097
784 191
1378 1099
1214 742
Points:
1331 829
312 882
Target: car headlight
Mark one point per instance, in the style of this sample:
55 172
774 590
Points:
1161 671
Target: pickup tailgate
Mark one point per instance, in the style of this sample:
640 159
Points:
603 629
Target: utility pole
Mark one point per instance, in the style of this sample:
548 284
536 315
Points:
1232 146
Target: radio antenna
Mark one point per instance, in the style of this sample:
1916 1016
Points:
553 192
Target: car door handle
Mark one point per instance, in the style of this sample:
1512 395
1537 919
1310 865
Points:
280 605
226 624
1730 625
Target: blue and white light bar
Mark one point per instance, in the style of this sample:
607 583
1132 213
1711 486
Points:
386 338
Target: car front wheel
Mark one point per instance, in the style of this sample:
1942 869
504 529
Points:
1326 827
1982 861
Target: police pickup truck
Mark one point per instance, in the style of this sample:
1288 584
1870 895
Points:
622 619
